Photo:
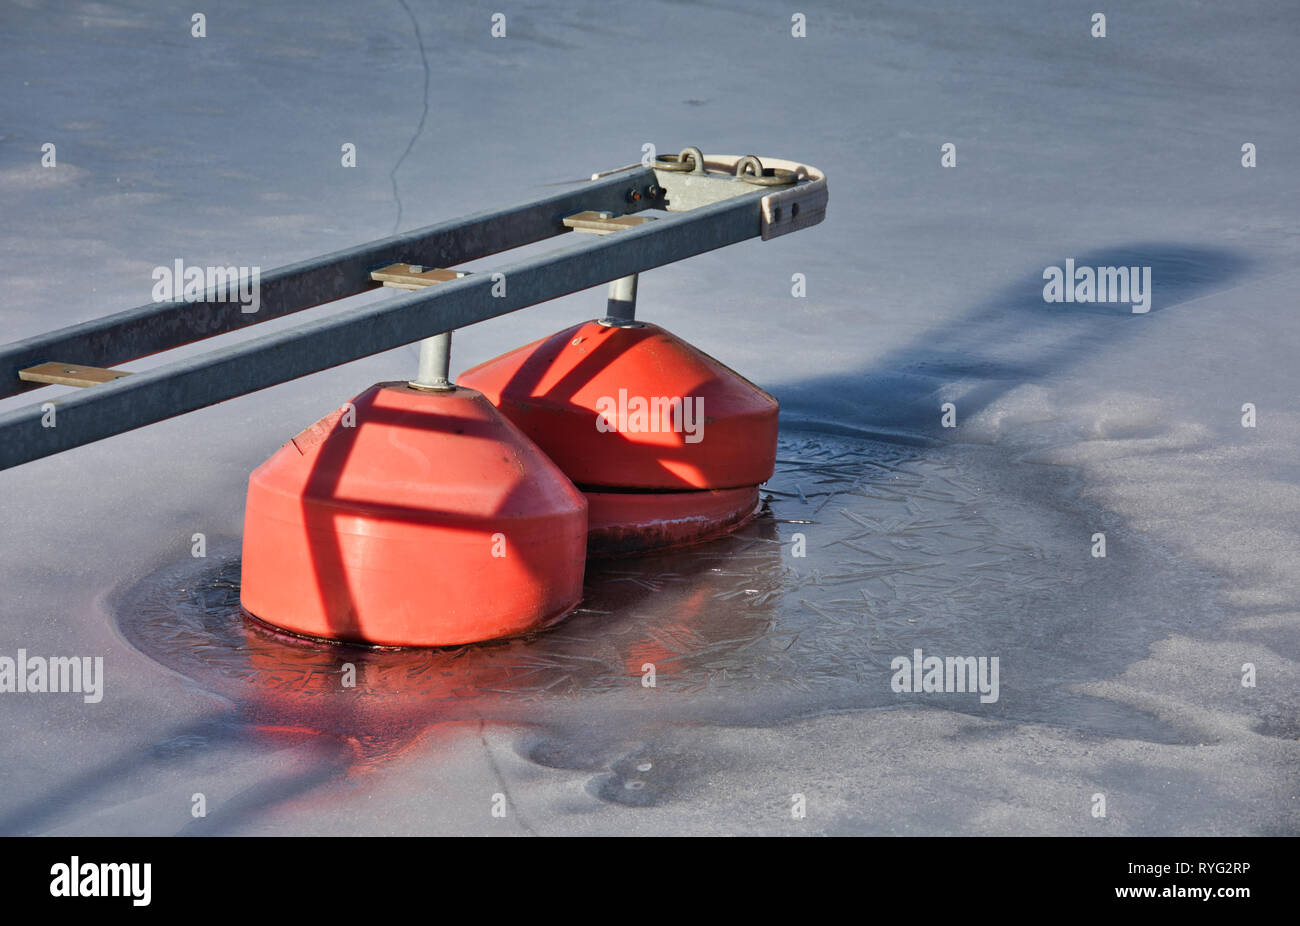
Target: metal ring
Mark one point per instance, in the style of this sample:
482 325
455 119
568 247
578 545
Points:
763 176
749 160
679 162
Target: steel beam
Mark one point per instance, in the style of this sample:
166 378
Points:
142 398
148 329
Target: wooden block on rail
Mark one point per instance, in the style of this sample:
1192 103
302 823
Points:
603 223
413 276
69 374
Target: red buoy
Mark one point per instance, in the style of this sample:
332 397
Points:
412 518
668 444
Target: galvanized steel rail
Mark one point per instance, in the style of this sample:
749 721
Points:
155 327
716 210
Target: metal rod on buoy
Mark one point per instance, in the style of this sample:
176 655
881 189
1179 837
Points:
435 364
621 307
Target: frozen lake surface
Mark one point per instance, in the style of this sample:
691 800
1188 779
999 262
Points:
1118 676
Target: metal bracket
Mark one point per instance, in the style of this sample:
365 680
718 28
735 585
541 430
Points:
795 207
797 201
69 374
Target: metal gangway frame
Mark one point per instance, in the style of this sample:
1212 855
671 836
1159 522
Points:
710 202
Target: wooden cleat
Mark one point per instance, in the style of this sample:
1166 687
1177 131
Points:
69 374
413 276
603 223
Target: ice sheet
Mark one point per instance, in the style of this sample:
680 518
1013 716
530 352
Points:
1120 676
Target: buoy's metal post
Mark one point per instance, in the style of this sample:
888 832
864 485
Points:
622 300
435 363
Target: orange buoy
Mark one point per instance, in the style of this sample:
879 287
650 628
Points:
634 407
668 444
411 517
